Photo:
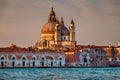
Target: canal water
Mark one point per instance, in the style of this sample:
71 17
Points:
60 74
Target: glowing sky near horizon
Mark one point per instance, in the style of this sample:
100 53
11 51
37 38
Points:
97 21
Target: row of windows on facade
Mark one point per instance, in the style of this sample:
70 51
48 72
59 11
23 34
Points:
24 58
3 61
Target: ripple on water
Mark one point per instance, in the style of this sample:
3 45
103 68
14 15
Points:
60 74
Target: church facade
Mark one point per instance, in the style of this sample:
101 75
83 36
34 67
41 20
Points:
55 35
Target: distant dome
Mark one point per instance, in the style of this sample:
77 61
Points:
64 31
48 28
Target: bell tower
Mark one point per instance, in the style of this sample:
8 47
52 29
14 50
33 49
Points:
72 31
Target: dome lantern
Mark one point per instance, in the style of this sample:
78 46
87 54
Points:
52 16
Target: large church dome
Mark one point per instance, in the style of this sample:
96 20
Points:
48 28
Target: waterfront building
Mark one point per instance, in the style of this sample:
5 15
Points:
98 57
77 59
18 57
111 53
89 56
70 58
117 49
116 57
93 56
84 58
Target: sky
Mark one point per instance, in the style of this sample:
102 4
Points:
97 21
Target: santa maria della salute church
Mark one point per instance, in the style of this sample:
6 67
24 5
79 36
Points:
55 35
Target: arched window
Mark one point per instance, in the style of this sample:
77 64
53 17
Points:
23 58
33 63
2 58
33 58
13 58
60 58
85 59
51 58
42 58
60 63
42 61
52 63
2 61
13 62
23 61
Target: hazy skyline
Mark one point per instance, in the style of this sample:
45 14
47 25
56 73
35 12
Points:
97 21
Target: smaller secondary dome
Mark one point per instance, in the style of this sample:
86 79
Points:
48 28
64 31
